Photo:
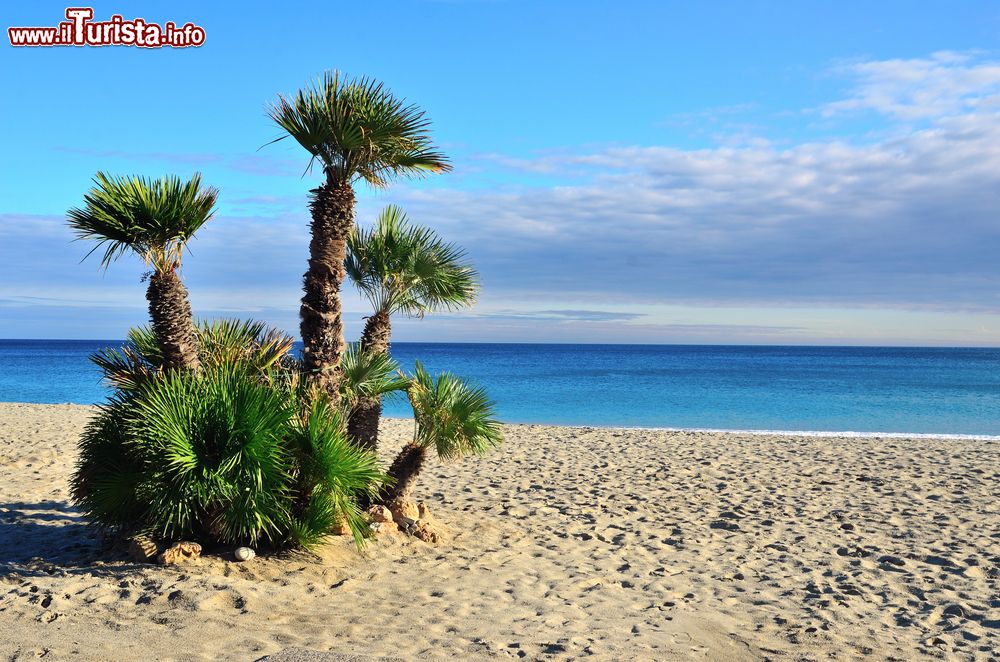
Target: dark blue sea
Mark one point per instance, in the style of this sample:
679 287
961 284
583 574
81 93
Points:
856 389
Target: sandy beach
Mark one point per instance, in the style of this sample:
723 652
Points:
566 543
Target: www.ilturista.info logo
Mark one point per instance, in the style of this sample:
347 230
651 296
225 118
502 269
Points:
80 30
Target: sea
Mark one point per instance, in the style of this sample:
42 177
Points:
855 390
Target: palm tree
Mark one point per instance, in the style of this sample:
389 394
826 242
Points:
450 417
357 131
401 268
154 219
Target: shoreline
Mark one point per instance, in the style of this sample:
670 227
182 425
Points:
822 434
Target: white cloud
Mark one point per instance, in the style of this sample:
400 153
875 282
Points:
945 83
907 222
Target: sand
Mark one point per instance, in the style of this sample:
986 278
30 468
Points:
567 543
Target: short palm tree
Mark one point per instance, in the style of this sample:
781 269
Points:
357 131
407 269
451 418
154 219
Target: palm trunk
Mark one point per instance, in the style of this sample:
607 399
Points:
173 323
362 424
375 337
321 324
404 471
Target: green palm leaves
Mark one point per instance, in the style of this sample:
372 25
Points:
214 455
451 416
400 267
356 128
369 375
154 218
252 346
334 474
226 458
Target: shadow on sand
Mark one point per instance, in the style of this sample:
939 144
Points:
48 538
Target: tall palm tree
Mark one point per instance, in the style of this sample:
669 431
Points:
154 219
401 268
450 417
357 131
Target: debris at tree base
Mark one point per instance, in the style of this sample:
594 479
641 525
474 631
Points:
424 532
179 553
381 520
380 514
408 517
341 528
402 509
143 549
382 528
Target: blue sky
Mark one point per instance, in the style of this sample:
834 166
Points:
712 172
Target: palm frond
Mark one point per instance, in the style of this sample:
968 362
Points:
454 418
401 267
249 343
125 369
105 483
357 129
154 218
215 449
254 347
333 474
369 375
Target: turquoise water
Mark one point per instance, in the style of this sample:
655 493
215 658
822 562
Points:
860 389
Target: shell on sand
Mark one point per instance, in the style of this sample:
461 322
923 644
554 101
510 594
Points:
244 554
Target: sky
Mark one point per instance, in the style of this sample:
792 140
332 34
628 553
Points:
624 172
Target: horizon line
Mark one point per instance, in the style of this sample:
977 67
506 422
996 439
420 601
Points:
590 344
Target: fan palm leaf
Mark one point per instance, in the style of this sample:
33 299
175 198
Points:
401 267
253 347
451 418
334 474
153 218
357 129
370 375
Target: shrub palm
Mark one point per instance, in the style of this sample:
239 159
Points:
232 454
